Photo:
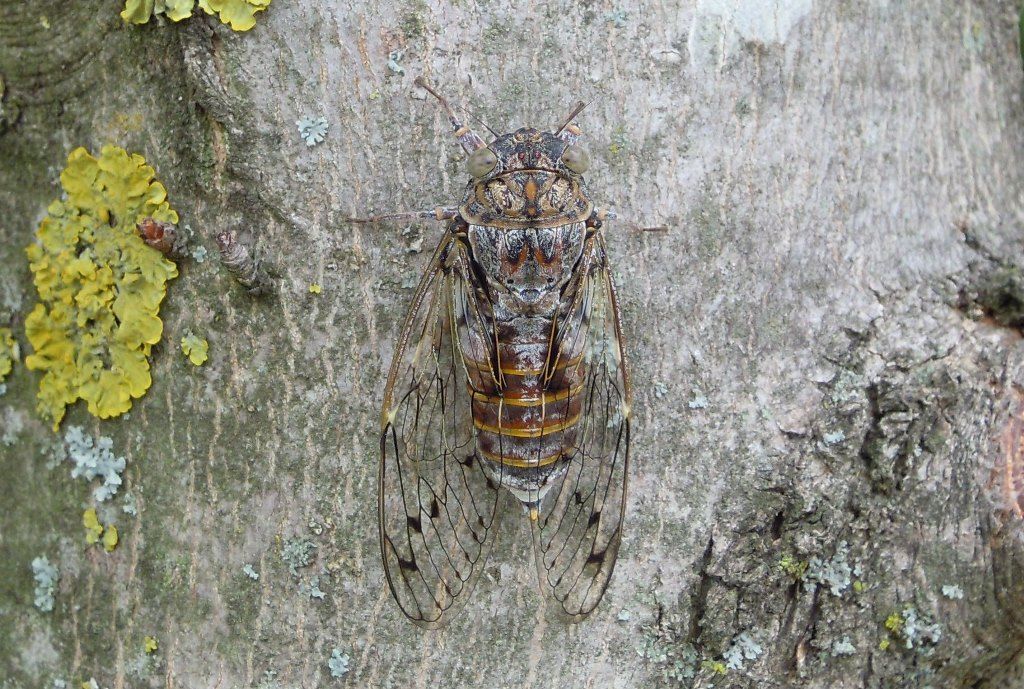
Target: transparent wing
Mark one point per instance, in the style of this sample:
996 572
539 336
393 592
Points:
435 505
577 535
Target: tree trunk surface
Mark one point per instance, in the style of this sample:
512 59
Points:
825 346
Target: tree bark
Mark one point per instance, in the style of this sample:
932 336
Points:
825 346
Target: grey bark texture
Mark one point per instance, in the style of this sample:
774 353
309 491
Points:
825 347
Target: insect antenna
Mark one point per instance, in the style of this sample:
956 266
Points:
467 137
480 121
423 84
576 111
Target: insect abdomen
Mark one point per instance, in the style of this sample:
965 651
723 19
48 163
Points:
531 417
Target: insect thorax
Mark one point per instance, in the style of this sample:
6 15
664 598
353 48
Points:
526 269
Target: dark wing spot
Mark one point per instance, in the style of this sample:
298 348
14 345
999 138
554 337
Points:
407 565
435 510
414 524
596 558
594 518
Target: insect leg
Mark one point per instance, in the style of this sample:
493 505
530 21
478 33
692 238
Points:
436 214
599 215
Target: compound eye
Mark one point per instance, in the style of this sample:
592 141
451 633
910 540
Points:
576 159
481 161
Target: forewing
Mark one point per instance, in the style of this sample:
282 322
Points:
579 530
435 506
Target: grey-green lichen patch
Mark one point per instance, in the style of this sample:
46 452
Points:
914 629
337 664
835 574
141 665
952 592
616 17
297 553
663 645
698 402
94 459
312 130
46 576
843 647
268 680
974 38
13 424
744 647
312 589
130 505
834 437
667 644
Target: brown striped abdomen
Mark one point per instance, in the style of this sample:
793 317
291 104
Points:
529 417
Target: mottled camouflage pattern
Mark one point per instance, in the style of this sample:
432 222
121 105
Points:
529 187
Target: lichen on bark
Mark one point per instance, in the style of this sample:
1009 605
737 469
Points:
823 345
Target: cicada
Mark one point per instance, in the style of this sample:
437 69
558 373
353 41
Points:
508 377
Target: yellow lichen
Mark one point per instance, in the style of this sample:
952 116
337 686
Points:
94 531
140 11
894 623
315 288
110 538
99 285
8 352
150 644
793 567
240 15
93 528
715 667
195 348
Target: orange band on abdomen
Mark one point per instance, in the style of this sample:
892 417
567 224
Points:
528 432
485 366
522 463
528 400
